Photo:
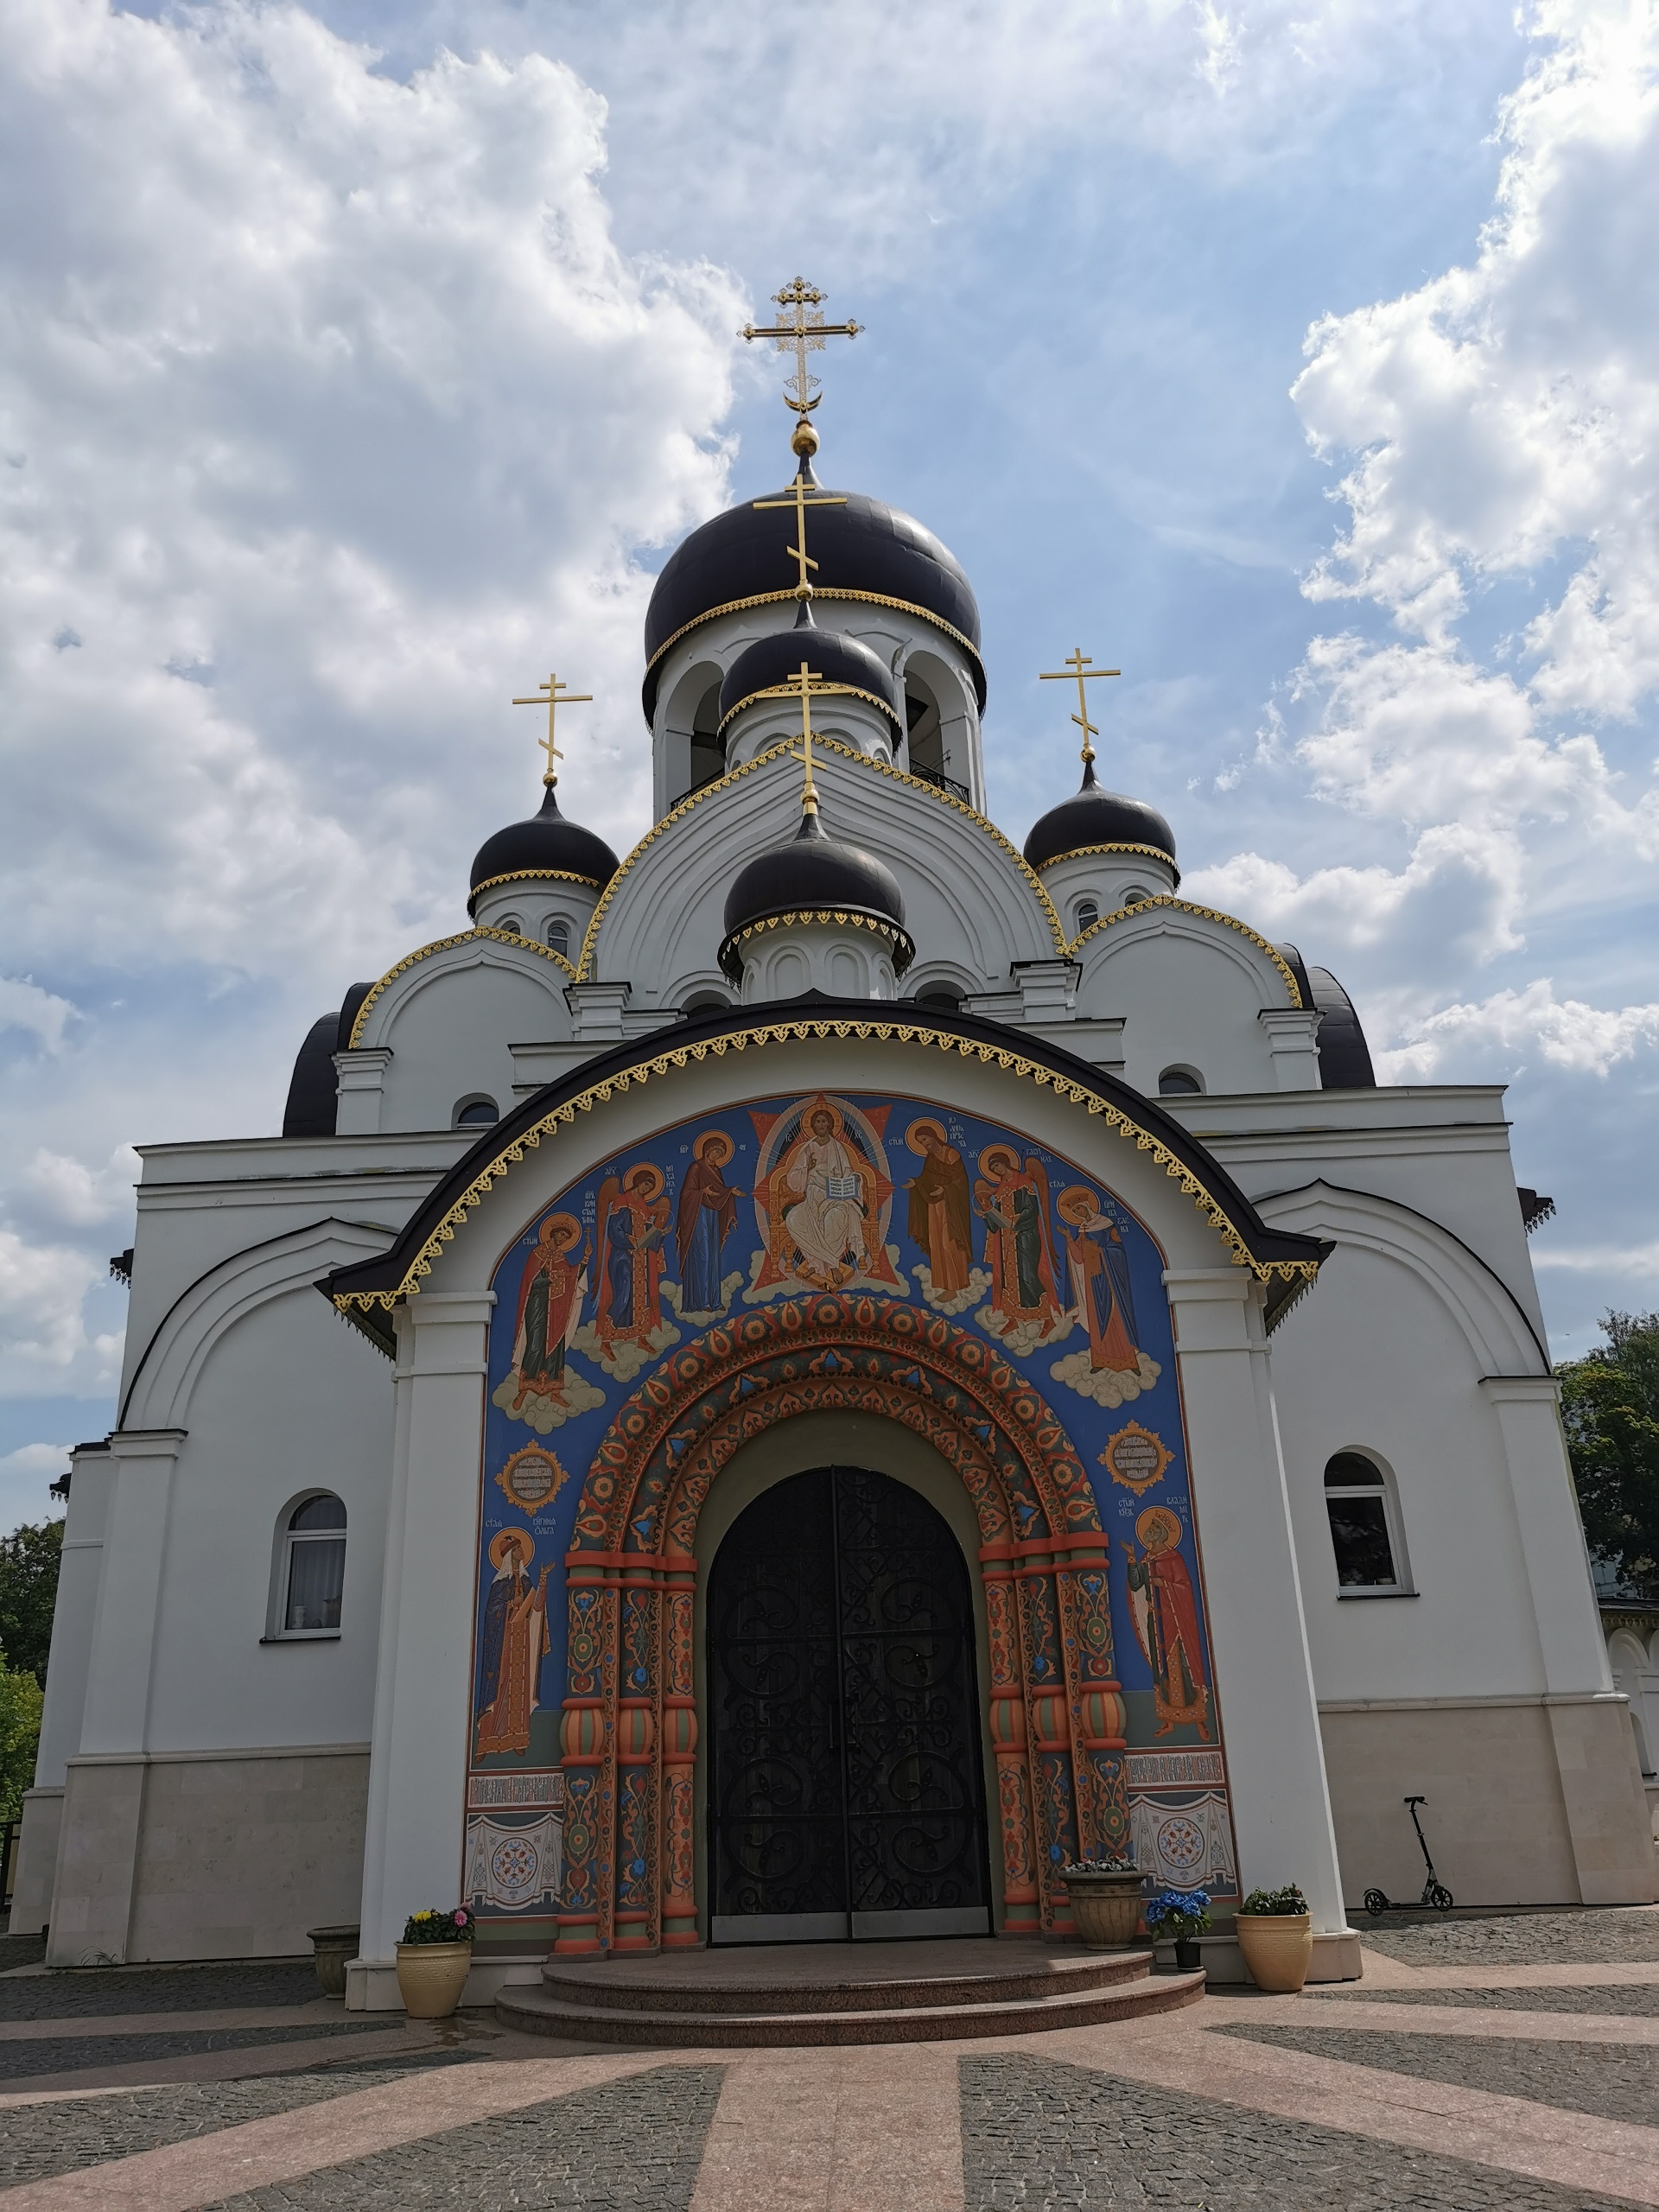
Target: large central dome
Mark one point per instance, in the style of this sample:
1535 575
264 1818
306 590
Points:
864 549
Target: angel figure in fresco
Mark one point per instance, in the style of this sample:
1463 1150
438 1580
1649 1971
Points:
515 1642
1114 1366
633 1220
1025 1308
941 1219
541 1388
821 1191
1165 1615
706 1217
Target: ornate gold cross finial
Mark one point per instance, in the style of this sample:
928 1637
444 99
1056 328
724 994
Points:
798 499
1078 665
801 332
552 695
806 687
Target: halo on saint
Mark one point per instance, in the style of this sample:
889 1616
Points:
925 1126
512 1539
1158 1529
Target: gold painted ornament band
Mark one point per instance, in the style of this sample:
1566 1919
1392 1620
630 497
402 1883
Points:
781 691
904 950
809 1030
1143 906
1087 852
784 750
531 875
819 591
445 944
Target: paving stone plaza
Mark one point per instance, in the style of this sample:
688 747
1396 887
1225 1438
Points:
1509 2062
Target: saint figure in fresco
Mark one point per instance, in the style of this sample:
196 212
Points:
941 1212
707 1217
515 1642
632 1221
821 1189
1013 1199
549 1313
1165 1615
1100 1280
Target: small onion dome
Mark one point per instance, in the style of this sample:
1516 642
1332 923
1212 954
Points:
861 547
545 845
815 878
774 659
1094 816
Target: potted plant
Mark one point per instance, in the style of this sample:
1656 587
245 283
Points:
331 1947
1105 1896
1276 1935
1181 1916
433 1963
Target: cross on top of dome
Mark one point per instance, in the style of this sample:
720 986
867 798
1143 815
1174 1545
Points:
553 694
801 332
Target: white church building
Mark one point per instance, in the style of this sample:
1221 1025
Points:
789 1385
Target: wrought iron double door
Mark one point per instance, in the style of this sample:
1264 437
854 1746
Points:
846 1794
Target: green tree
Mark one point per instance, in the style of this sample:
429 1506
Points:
29 1593
1610 1408
20 1737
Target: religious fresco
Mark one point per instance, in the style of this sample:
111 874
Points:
636 1282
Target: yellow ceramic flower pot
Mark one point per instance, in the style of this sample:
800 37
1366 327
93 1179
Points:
431 1978
1278 1949
1105 1908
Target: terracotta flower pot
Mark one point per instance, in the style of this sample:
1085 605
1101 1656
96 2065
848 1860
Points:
1278 1949
1105 1908
431 1978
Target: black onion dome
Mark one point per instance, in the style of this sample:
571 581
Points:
864 546
1094 816
771 660
545 845
814 873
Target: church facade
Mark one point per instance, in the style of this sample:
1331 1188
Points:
792 1384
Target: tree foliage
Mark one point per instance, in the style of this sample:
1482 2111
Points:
1610 1407
28 1592
20 1737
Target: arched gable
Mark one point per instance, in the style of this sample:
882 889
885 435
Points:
390 999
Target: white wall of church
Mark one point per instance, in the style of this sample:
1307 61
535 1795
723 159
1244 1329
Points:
449 1023
1190 993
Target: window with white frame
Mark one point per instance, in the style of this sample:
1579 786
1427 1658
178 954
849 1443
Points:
556 935
512 924
314 1568
476 1112
1088 914
1364 1525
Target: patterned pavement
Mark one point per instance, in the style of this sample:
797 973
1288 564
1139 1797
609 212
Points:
1500 2062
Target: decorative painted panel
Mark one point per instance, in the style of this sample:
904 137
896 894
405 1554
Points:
892 1254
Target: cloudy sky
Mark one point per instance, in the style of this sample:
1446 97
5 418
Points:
360 363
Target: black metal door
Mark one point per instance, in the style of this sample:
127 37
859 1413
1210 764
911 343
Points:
846 1793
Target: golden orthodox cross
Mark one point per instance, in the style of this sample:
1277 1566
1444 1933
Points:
806 687
802 333
798 499
552 695
1078 665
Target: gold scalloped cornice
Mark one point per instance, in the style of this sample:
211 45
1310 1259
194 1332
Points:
819 591
531 875
843 691
807 1030
781 750
1209 914
1082 852
830 917
444 944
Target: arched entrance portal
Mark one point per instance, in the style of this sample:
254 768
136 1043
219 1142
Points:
846 1795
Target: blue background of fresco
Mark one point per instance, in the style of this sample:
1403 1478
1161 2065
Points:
1090 1426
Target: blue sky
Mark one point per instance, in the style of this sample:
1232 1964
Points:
362 362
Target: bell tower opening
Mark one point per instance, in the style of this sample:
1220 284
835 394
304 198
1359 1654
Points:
846 1788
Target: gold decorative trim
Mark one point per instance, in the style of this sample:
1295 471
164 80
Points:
819 591
784 749
806 1030
1209 914
1147 852
842 920
843 691
533 875
444 944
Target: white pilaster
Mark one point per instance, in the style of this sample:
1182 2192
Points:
1293 1041
596 1009
362 1080
1264 1680
422 1705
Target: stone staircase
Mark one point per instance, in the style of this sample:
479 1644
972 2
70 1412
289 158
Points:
798 1994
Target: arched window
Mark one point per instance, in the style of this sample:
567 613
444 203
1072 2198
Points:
940 994
1364 1524
1180 1082
512 924
1087 915
1136 895
557 935
314 1568
475 1113
705 1002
